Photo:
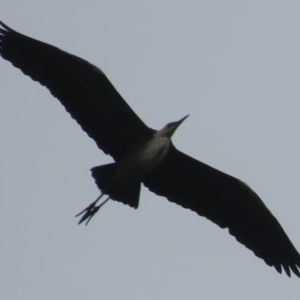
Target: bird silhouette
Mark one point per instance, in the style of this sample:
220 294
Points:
144 155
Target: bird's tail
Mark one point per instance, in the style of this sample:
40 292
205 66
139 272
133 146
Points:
126 192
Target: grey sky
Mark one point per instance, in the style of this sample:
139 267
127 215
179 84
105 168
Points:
233 65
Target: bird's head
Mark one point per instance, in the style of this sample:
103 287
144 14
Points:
169 129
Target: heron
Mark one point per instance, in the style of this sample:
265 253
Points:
146 156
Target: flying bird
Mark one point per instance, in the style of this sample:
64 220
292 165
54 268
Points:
144 155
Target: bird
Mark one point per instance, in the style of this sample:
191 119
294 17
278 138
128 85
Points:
146 156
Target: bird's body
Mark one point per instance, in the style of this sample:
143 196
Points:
143 155
121 181
144 158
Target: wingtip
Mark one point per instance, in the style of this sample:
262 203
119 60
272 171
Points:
278 268
295 270
289 269
5 27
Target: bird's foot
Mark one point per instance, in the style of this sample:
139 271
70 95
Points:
91 210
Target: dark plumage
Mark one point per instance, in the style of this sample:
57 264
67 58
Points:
95 104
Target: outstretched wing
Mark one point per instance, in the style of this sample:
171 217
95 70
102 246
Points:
81 87
227 202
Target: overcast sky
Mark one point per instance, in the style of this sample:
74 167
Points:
233 65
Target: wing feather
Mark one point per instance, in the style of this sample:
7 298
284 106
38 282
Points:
229 203
82 88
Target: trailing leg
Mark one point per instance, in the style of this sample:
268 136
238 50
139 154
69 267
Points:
125 190
91 210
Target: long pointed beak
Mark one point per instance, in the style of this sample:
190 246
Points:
181 120
176 125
